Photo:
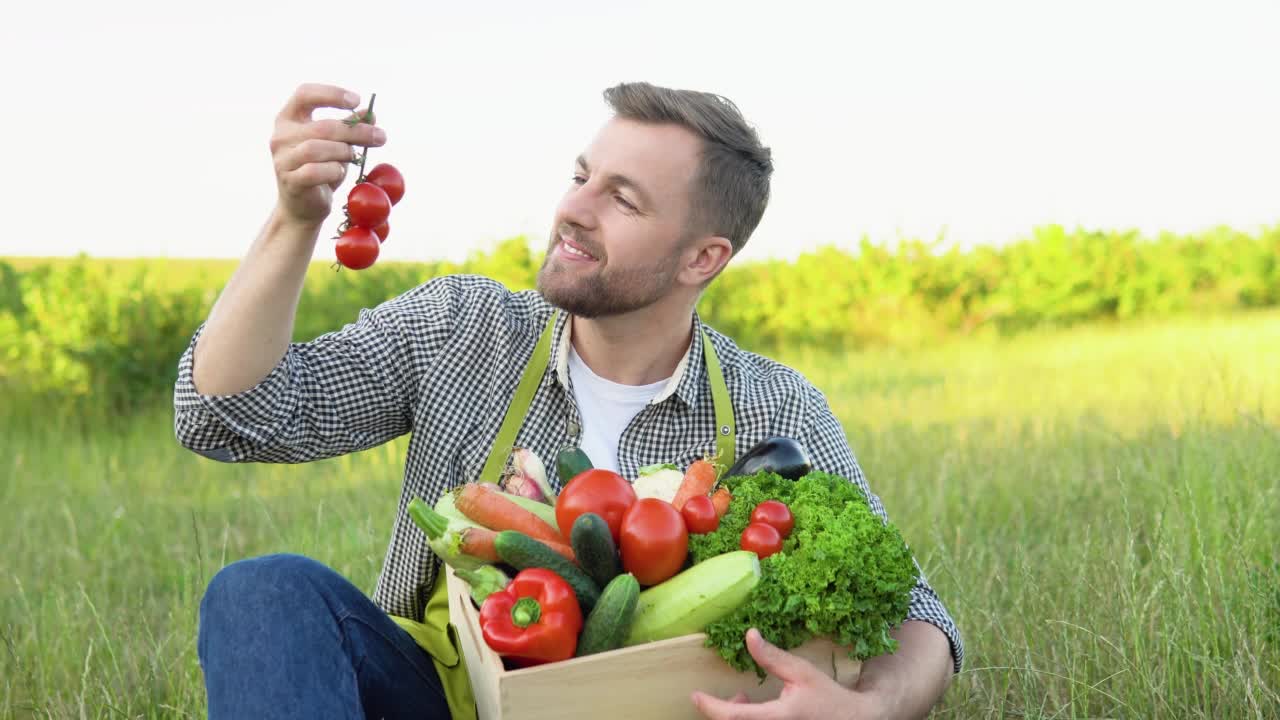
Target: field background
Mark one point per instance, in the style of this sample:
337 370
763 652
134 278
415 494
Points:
1078 433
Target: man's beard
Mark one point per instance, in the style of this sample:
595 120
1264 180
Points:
602 293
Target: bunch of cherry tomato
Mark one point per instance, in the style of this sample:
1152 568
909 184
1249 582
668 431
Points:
770 523
368 208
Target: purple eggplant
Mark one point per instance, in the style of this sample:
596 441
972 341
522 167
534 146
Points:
780 455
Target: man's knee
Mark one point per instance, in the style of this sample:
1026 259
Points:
265 584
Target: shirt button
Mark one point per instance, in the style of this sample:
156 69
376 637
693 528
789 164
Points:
573 429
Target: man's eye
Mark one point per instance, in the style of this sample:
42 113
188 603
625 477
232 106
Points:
578 179
623 202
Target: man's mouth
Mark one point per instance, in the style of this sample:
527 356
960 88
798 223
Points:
573 250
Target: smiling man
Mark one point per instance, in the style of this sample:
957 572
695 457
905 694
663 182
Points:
617 361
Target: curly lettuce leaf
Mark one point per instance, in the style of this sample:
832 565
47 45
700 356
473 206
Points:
843 573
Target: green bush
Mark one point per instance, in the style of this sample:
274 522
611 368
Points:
113 330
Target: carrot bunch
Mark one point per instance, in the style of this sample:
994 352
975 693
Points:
486 506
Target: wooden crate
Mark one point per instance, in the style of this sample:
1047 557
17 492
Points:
643 682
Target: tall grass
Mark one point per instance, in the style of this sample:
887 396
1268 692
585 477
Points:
1098 507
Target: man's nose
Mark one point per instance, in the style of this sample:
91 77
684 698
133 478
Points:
577 207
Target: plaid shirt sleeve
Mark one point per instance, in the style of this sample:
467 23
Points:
344 391
827 443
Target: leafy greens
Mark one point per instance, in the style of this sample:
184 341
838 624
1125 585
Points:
843 573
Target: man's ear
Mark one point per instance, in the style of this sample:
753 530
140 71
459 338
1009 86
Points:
709 256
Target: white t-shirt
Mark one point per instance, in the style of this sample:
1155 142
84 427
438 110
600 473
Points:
606 408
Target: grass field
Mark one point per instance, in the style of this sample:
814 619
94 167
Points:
1100 509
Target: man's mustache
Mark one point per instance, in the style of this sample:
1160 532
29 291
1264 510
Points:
575 234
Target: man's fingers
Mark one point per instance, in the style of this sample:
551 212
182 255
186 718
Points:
714 708
313 174
343 176
310 96
313 151
360 134
780 663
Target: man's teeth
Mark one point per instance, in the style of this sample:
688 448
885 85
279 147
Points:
575 251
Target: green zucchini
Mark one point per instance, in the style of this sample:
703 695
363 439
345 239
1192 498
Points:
695 598
522 552
593 546
609 623
570 463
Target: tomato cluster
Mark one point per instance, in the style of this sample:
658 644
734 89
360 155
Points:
368 208
771 523
650 533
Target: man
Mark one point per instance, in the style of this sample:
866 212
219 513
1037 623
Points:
667 192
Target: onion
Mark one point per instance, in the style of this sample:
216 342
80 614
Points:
526 476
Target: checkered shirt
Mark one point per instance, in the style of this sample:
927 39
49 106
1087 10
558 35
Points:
442 362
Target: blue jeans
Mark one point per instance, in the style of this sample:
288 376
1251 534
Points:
283 636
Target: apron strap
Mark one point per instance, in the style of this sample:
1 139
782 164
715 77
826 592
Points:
518 408
726 431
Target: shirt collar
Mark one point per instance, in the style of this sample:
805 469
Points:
685 382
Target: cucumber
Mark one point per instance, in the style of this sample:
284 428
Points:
593 546
609 623
697 597
522 552
570 463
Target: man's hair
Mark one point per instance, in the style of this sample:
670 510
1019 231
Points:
731 189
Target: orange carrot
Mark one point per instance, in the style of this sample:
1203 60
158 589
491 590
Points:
478 543
720 499
484 505
698 480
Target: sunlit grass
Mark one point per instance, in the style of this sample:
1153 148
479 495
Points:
1098 508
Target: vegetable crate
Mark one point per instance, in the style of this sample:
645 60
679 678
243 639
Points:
642 682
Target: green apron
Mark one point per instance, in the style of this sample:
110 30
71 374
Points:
435 634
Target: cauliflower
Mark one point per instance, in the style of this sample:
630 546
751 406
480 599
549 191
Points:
658 481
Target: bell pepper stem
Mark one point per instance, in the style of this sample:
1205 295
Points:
525 612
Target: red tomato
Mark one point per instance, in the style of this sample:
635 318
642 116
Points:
357 248
700 514
368 205
775 513
763 540
602 492
382 232
654 543
387 177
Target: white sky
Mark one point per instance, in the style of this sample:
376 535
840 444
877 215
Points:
138 128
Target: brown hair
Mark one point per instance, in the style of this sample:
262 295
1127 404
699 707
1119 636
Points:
732 187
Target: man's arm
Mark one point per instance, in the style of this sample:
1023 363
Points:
909 682
344 391
251 323
904 685
244 391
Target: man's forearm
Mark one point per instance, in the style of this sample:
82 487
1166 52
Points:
251 324
912 680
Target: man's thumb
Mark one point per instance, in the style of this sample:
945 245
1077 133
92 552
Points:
778 662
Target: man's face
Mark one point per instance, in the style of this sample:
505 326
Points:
619 235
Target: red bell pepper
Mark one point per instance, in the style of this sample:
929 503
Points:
535 620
